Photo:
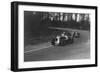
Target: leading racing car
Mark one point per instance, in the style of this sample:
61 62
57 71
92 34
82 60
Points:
65 38
61 40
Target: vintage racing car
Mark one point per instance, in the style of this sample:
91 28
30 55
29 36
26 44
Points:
76 35
63 39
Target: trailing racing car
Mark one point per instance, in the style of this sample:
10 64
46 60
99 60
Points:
76 35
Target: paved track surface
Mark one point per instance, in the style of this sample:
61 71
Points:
80 49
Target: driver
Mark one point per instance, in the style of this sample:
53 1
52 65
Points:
63 35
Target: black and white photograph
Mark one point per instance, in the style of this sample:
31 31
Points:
56 36
53 36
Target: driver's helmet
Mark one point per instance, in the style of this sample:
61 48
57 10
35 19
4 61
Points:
63 34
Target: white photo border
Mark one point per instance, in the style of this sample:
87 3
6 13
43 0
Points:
24 65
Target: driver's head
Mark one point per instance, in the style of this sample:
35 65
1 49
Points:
63 34
58 36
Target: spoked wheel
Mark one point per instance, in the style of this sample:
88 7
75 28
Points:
54 43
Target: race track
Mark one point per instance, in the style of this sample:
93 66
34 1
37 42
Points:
80 49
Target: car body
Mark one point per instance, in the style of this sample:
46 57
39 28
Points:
62 40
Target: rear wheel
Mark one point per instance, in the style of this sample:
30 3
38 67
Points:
71 40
